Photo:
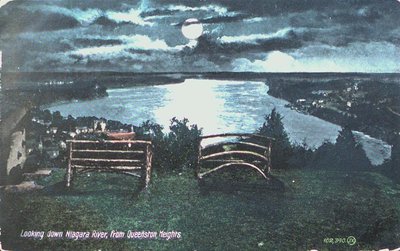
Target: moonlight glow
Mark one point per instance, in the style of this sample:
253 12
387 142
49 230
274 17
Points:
192 29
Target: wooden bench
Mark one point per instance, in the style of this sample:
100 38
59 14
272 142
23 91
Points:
131 157
249 151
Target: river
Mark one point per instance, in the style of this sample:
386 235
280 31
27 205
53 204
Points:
217 106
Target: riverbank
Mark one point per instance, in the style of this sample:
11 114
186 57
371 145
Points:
364 103
25 81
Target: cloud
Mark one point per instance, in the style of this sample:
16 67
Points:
381 54
378 57
253 38
172 9
93 42
92 15
254 19
279 7
142 42
132 16
228 18
234 45
127 44
105 21
363 15
206 8
211 14
152 18
4 2
100 51
82 16
278 61
34 21
152 13
233 17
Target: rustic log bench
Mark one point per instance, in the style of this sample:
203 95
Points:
234 150
130 157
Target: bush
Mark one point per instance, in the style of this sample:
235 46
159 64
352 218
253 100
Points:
183 143
346 154
301 156
321 157
176 150
153 131
281 147
395 163
391 167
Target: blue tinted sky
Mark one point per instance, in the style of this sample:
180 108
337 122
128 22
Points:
251 35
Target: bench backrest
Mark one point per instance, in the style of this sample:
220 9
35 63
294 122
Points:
131 157
235 150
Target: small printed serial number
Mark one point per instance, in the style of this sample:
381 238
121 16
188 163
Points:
351 240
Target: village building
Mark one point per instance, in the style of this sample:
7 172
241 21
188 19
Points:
99 125
52 130
81 129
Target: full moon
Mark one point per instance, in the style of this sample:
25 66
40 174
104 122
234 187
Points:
192 29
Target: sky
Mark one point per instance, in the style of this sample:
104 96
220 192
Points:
236 36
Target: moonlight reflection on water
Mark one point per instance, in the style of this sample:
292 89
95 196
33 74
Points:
217 106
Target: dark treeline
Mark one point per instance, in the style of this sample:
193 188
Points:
346 154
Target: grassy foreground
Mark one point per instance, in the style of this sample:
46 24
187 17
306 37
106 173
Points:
316 206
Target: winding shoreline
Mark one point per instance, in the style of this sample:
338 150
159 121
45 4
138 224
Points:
167 102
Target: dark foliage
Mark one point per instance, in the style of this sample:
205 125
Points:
391 167
153 131
395 160
176 150
346 154
301 156
183 143
281 148
321 157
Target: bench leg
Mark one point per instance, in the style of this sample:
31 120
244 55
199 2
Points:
69 175
149 157
69 168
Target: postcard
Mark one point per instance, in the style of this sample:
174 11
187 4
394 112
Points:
199 125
